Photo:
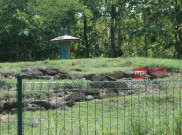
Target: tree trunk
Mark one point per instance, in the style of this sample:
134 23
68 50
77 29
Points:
145 37
85 37
113 16
178 35
17 49
120 39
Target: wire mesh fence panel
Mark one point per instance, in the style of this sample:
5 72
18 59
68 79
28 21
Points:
8 108
122 107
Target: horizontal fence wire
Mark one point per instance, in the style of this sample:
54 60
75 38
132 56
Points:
87 108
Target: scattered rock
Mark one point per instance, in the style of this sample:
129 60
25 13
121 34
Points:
110 78
48 77
34 109
89 97
157 75
64 76
12 104
76 96
117 75
98 78
89 77
107 94
70 103
91 91
8 75
14 111
74 77
33 123
109 85
128 64
121 86
56 77
126 92
1 107
128 74
98 85
76 69
105 77
31 73
4 85
49 71
38 108
46 104
33 105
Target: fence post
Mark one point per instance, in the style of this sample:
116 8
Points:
19 105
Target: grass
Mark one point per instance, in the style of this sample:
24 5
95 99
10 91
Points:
144 113
96 65
91 66
156 113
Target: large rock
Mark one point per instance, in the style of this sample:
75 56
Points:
50 71
13 104
44 73
46 104
10 105
31 73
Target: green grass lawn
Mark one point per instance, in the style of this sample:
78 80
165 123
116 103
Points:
94 65
91 66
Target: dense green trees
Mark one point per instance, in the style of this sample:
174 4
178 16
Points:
109 28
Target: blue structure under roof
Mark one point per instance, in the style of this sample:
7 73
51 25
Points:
65 48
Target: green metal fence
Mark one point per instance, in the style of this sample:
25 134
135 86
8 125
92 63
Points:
107 108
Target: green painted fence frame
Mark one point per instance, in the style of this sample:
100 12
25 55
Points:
19 105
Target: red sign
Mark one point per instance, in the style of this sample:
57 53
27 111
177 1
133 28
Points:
139 72
157 70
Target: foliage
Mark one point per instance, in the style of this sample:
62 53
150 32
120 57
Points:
109 28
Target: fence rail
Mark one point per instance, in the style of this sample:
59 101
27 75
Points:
107 108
